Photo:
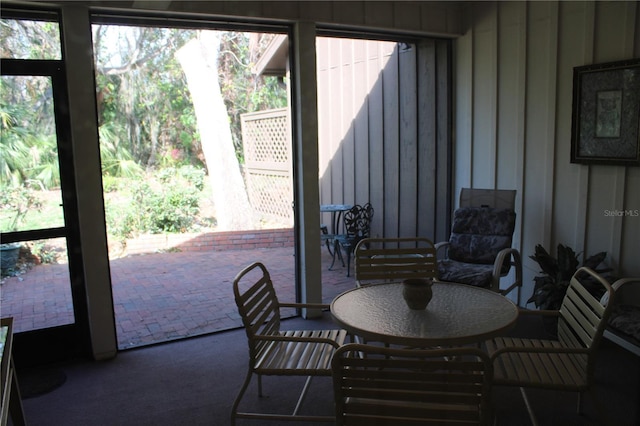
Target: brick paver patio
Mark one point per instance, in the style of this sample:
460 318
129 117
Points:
161 297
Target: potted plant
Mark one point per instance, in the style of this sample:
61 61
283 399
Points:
550 288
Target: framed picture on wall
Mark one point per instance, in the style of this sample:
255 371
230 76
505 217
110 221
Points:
606 113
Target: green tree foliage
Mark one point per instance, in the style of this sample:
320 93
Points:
25 39
142 87
146 117
243 90
142 93
28 148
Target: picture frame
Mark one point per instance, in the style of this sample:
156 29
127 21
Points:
606 114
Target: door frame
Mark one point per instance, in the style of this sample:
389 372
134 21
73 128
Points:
71 340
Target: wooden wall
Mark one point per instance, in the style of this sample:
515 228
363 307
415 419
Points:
382 113
514 74
440 18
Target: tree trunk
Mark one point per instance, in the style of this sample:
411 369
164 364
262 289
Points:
199 60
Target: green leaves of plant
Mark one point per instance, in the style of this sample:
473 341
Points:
550 288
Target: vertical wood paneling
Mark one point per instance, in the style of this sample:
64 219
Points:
391 170
436 18
427 129
324 126
351 12
484 96
360 108
537 192
561 202
607 183
408 142
407 13
429 17
375 60
335 112
318 11
385 114
510 115
288 11
584 172
443 183
347 123
570 191
509 122
631 225
464 118
378 14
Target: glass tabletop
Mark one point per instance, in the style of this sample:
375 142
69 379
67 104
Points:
457 314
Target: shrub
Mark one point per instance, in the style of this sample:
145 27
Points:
16 202
166 202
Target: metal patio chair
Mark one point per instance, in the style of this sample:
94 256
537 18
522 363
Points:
479 250
390 386
394 259
563 364
275 352
357 225
623 328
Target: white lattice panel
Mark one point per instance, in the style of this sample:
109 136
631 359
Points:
267 153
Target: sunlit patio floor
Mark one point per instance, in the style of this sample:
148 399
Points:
164 296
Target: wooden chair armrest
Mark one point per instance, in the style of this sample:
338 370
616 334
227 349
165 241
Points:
302 339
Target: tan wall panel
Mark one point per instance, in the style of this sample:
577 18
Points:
463 118
561 202
539 155
423 17
484 97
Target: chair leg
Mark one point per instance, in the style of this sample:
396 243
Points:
236 403
532 416
579 405
328 243
325 231
336 253
302 395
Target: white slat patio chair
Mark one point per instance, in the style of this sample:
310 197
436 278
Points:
276 352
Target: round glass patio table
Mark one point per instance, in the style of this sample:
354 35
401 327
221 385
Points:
458 314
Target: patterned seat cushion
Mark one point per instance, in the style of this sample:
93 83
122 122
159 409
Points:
465 273
626 319
479 233
477 236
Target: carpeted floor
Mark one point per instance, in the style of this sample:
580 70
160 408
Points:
40 380
194 382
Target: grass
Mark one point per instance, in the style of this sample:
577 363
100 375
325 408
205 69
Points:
50 215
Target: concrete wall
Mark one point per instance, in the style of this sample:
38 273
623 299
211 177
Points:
513 80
